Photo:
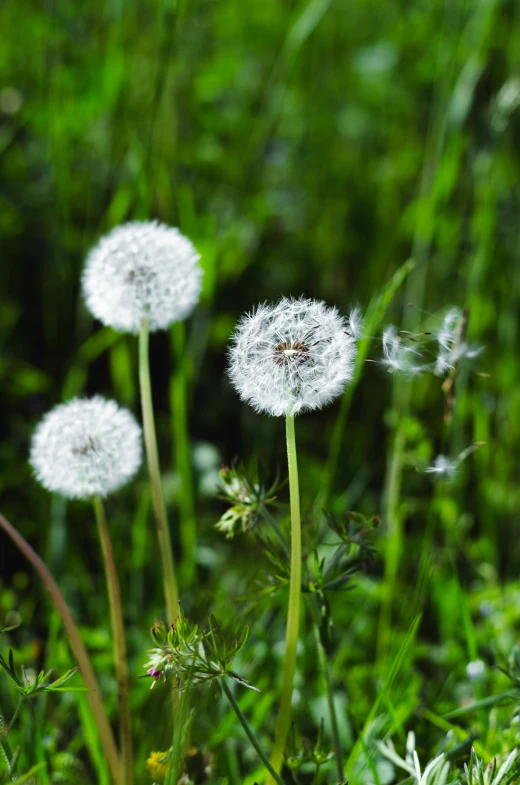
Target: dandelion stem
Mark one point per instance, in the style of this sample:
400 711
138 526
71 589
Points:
250 735
293 617
80 653
178 396
118 634
322 656
159 506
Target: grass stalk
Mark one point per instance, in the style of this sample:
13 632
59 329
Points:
179 408
93 695
293 616
118 635
250 735
324 665
159 506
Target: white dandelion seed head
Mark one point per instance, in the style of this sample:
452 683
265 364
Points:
85 448
397 356
291 357
142 271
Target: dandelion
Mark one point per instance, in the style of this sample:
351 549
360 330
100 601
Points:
142 277
285 359
142 271
86 448
292 357
397 356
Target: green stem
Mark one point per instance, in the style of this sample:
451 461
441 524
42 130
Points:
118 634
21 699
293 618
178 396
394 544
80 653
159 506
322 656
250 735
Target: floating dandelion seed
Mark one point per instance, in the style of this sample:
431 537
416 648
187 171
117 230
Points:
452 346
142 271
86 448
446 467
292 357
397 356
442 466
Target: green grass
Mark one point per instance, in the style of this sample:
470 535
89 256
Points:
360 153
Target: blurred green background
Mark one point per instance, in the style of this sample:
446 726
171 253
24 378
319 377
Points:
306 148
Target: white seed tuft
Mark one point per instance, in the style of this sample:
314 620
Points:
451 347
142 271
397 356
295 356
85 448
446 467
443 466
355 323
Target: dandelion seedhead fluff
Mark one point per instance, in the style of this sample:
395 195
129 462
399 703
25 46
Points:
85 448
142 271
291 357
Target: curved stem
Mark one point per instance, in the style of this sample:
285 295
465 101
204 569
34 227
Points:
80 653
159 506
322 656
250 735
293 618
118 634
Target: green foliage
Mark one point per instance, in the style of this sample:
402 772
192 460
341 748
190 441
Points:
356 152
191 656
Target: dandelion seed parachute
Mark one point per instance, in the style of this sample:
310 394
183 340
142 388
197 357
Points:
397 357
85 448
142 270
443 466
451 348
295 356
